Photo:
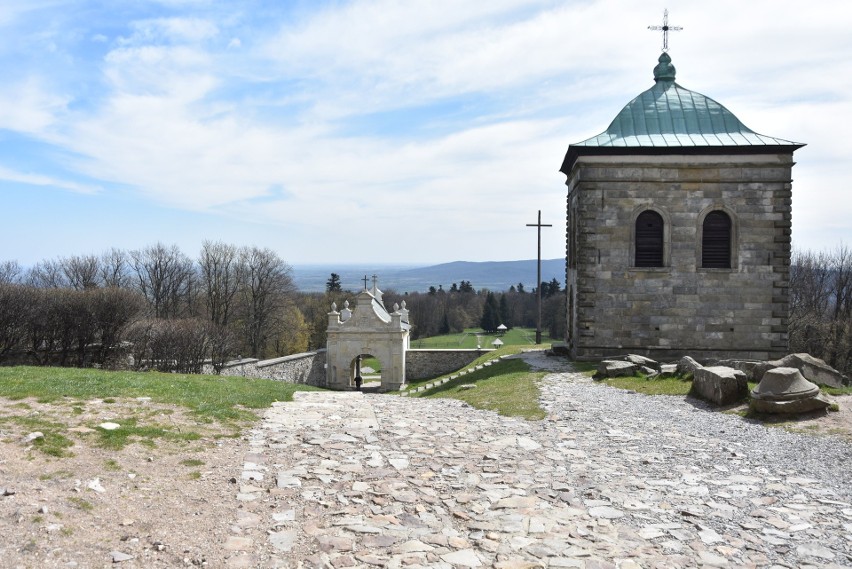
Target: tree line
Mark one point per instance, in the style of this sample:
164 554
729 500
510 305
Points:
445 311
157 308
153 307
821 306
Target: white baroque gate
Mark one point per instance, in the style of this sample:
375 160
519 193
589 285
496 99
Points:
367 329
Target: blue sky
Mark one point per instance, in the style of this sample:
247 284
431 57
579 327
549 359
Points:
378 131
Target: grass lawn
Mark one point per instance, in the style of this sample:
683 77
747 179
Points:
468 339
219 406
641 384
208 396
373 363
506 386
657 386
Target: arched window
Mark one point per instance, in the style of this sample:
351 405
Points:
716 241
649 239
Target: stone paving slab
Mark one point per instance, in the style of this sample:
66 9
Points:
361 480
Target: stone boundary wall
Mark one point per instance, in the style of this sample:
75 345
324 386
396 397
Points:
307 368
425 364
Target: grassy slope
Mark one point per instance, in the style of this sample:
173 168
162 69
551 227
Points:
216 397
467 339
507 386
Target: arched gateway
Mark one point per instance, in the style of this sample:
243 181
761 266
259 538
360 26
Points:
367 329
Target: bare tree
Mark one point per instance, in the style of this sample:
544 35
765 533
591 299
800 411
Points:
140 334
115 269
164 276
840 354
223 345
47 274
222 273
10 272
181 345
81 271
810 296
114 309
43 330
82 322
268 288
821 306
16 302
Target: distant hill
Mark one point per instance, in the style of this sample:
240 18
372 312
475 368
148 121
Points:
493 275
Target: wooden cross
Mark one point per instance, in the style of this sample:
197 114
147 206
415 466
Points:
665 28
365 282
539 225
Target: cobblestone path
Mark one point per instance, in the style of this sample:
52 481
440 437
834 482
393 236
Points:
609 479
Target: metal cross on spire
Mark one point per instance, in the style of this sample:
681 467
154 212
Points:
666 28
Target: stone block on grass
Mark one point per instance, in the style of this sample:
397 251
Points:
642 361
687 365
720 385
614 368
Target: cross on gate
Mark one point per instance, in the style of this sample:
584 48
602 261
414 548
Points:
665 28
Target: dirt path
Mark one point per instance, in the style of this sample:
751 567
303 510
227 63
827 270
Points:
154 503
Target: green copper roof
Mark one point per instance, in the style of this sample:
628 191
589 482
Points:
667 115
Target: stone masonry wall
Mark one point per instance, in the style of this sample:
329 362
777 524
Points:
425 364
680 308
307 368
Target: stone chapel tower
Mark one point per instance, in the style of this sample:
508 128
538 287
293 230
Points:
678 240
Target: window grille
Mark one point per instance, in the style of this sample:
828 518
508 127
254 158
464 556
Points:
716 241
649 239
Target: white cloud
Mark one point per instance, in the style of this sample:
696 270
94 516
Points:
210 110
171 30
390 55
179 73
30 106
41 180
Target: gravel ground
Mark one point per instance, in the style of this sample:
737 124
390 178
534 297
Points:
775 448
173 504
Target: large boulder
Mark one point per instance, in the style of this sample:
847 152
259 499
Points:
816 370
720 385
785 390
813 369
614 368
